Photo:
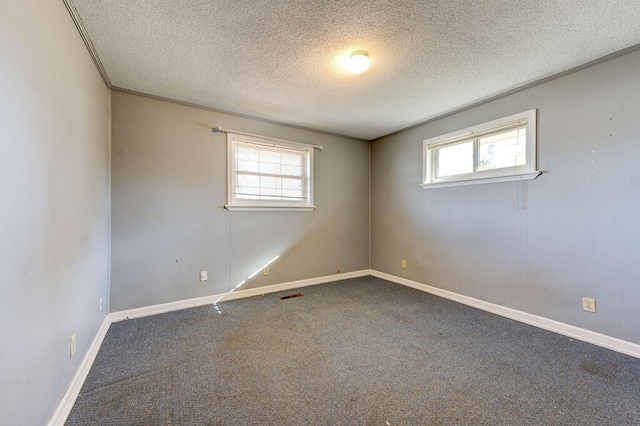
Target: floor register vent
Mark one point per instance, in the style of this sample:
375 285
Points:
291 296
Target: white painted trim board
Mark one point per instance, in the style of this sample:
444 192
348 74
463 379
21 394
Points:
66 404
239 294
613 343
69 397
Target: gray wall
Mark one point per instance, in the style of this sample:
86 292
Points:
54 214
538 246
168 221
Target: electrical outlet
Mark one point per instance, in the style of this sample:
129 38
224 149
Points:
589 304
101 304
203 276
265 270
404 263
72 346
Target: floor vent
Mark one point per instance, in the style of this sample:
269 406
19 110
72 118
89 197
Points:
292 296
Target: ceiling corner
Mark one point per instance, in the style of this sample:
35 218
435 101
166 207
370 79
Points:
87 41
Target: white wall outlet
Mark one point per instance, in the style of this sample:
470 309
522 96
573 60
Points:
265 270
72 345
589 304
203 276
101 304
404 263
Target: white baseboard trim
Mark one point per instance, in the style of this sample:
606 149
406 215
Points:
239 294
66 404
578 333
69 398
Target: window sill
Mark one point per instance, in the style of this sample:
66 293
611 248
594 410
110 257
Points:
270 209
510 178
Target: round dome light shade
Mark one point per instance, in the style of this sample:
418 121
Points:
359 62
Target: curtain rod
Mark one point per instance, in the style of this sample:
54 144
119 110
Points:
219 129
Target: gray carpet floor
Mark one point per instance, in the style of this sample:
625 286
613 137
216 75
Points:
363 351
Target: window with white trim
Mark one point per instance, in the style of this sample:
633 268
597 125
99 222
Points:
268 174
500 150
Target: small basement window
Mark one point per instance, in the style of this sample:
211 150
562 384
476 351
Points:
268 174
500 150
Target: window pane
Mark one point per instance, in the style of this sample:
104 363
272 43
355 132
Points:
248 180
270 191
270 182
247 153
248 166
455 159
270 168
268 156
291 170
292 159
508 149
270 173
293 193
243 192
292 183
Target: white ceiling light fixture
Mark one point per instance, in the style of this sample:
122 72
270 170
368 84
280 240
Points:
359 62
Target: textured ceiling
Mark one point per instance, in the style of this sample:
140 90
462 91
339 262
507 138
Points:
280 59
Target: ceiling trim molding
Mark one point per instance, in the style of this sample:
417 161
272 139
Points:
516 90
96 59
235 114
71 8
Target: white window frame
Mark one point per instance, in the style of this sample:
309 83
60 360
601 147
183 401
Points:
266 205
525 172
